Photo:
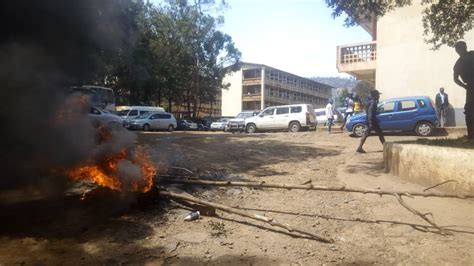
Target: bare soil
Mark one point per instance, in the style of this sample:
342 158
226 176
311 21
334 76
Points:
110 228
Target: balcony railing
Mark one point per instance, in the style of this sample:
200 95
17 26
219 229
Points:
358 60
358 53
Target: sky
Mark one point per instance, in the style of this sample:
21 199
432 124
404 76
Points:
296 36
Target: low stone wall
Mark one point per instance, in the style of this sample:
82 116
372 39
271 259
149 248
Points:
431 165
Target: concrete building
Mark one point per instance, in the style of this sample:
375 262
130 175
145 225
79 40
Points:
255 87
400 63
203 109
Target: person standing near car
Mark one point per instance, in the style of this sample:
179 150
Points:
442 103
357 105
372 122
349 104
464 77
330 114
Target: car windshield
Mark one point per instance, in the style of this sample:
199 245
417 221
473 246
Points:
222 120
320 113
143 116
244 115
123 112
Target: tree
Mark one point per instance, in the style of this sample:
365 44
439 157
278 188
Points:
362 90
201 53
176 53
444 21
342 95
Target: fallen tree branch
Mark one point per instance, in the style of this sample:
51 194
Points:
442 183
312 187
423 216
258 217
422 227
183 169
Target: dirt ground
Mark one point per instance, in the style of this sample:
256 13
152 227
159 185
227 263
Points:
112 229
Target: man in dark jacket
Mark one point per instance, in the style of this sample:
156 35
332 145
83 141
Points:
372 122
464 77
442 104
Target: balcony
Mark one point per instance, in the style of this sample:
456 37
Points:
252 81
358 60
251 97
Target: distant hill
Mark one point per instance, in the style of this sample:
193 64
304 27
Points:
337 82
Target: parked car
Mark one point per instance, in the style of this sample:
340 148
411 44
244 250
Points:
130 112
321 115
184 124
153 121
99 115
292 117
202 124
237 124
415 113
219 125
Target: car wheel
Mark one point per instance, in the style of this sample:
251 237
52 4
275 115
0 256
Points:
359 129
146 127
170 128
424 129
294 127
251 128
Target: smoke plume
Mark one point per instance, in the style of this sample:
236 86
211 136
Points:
46 46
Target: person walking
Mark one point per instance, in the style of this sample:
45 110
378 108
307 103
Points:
372 121
330 114
464 77
442 103
357 105
349 104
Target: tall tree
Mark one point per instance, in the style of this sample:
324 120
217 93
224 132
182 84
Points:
362 90
204 53
444 21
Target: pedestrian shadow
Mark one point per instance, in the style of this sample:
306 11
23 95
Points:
367 167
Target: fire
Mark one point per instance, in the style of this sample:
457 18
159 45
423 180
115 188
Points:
106 173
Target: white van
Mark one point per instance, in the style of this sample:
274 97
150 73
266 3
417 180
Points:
292 117
130 112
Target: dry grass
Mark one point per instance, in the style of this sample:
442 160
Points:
446 142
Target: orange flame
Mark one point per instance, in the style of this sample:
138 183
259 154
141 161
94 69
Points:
105 172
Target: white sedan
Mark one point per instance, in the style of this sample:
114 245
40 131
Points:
219 124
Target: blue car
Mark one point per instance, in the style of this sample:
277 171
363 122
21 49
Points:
415 113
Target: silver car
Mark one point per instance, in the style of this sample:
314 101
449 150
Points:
153 121
219 124
99 115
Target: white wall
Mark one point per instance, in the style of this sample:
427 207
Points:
407 67
232 97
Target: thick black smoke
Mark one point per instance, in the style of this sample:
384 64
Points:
46 46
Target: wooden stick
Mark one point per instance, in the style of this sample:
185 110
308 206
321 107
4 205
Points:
437 185
313 187
183 169
423 216
258 217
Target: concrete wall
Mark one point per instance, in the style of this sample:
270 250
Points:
431 165
407 67
232 97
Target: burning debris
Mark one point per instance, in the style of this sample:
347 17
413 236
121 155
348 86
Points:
47 46
125 171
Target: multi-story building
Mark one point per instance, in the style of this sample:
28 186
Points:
256 86
400 63
203 109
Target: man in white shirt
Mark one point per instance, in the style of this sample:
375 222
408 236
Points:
349 104
330 114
